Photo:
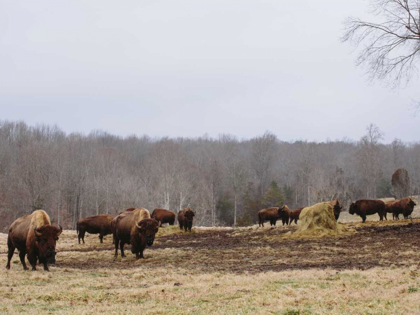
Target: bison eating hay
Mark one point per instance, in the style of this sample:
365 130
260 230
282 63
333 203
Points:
317 221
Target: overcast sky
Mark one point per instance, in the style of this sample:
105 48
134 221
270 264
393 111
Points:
190 67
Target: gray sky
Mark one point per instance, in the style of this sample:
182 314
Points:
188 67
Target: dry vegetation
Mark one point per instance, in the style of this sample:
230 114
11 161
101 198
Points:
375 270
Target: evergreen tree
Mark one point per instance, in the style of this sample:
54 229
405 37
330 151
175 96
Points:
273 197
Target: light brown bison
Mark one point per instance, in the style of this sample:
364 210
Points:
366 207
127 210
136 228
185 219
98 224
403 206
337 208
269 214
164 216
294 215
284 214
33 235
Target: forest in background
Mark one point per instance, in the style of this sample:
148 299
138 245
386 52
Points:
225 180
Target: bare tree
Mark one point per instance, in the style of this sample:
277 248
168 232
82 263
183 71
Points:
392 44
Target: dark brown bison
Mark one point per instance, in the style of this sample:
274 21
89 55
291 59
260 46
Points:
337 208
284 214
164 216
403 206
33 235
185 219
294 215
98 224
368 207
269 214
136 228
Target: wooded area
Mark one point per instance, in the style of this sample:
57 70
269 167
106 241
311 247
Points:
225 180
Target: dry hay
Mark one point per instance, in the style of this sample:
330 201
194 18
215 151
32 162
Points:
318 221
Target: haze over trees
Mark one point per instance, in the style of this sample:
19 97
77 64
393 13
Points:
225 180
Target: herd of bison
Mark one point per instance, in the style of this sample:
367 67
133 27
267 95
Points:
34 236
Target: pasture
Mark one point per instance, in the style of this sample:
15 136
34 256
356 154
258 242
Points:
374 270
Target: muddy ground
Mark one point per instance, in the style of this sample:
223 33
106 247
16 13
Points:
250 250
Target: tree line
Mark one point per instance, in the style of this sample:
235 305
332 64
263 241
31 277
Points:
225 180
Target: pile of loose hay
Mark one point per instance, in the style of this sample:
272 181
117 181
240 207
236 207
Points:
317 221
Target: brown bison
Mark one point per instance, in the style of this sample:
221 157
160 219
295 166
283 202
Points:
269 214
98 224
136 228
164 216
284 214
127 210
337 208
185 219
33 235
368 207
294 215
404 206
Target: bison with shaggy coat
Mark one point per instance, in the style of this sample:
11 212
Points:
294 215
136 228
284 214
185 219
403 206
34 236
164 216
336 207
269 214
366 207
98 224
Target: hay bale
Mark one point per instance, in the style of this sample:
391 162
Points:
318 221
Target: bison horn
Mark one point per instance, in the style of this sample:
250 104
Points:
61 230
38 234
138 226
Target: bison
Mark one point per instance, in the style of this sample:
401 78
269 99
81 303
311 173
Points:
294 215
404 206
368 207
337 208
34 236
185 219
98 224
269 214
136 228
163 216
284 214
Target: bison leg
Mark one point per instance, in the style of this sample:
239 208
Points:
10 252
122 249
101 238
22 259
363 218
116 241
32 261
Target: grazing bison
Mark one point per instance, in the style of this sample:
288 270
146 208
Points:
269 214
337 208
294 215
404 206
98 224
136 228
185 219
33 235
368 207
164 216
284 214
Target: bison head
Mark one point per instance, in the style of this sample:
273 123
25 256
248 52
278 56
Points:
148 228
189 215
280 211
411 203
46 237
337 210
353 208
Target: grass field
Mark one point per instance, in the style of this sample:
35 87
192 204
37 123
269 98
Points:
375 270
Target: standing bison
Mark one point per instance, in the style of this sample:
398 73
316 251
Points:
284 214
294 215
404 206
164 216
33 235
269 214
336 207
136 228
368 207
98 224
185 219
